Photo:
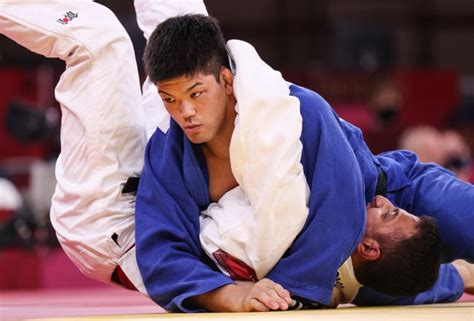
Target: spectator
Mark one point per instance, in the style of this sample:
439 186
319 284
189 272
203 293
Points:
425 141
457 155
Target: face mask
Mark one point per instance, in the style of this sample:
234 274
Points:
387 114
456 163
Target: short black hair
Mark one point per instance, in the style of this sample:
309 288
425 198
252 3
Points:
185 46
407 265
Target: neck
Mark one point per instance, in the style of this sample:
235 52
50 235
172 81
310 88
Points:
219 146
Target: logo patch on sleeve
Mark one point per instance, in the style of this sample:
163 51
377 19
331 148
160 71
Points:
68 17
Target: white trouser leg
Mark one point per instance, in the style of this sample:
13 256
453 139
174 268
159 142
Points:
102 127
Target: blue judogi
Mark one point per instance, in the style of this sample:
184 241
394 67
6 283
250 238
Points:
342 174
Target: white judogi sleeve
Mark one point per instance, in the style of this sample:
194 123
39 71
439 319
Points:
265 154
102 126
150 13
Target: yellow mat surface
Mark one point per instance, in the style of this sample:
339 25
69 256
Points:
442 312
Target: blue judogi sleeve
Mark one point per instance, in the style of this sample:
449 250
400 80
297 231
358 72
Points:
336 220
169 253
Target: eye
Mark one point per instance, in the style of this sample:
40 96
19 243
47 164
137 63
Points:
196 94
168 100
388 215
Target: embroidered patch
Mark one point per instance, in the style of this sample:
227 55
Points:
68 17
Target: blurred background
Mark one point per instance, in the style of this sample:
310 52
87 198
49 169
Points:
402 71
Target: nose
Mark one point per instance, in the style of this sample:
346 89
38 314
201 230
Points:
382 202
187 110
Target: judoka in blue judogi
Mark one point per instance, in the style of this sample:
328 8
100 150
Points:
342 175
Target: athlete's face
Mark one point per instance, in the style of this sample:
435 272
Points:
202 106
386 219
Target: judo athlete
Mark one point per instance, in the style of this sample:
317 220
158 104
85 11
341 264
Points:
189 166
103 127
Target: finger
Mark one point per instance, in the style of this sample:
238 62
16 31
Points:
271 301
258 306
273 294
283 293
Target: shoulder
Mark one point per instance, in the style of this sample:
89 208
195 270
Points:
312 105
307 96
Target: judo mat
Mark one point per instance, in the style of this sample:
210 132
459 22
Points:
119 304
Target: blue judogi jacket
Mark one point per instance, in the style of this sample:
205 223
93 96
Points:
173 189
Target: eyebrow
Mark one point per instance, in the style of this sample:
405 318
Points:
193 86
187 90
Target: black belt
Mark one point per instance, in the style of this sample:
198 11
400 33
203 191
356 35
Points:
300 303
381 188
131 185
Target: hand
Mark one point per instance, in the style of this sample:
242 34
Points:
264 295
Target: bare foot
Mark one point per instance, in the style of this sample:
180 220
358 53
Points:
466 270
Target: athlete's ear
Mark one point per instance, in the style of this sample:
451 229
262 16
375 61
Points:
369 249
228 78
